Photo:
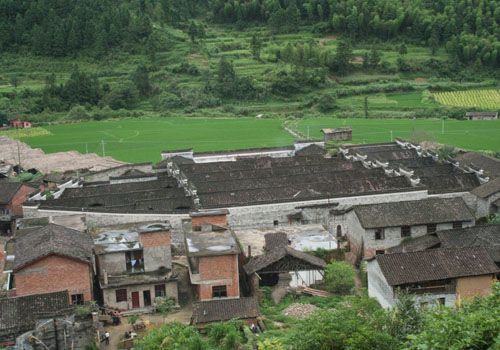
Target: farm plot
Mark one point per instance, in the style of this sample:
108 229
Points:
488 99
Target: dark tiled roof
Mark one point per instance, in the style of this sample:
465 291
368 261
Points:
36 243
435 264
419 212
455 182
8 190
275 240
487 236
259 262
311 150
19 314
415 244
490 165
225 310
487 189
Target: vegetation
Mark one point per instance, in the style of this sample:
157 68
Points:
489 99
339 277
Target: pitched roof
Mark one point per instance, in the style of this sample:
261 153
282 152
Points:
480 161
312 149
224 310
33 244
8 190
487 189
259 262
418 212
435 264
275 240
415 244
487 236
19 314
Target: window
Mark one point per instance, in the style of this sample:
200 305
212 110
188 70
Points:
276 222
339 231
160 290
457 224
405 231
380 252
219 292
135 261
379 233
441 301
121 295
77 299
431 228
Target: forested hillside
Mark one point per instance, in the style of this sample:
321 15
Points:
89 59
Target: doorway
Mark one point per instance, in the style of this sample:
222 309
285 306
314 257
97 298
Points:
147 298
135 300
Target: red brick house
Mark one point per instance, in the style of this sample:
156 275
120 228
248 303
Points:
16 123
54 258
12 197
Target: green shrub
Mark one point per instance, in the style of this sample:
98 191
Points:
78 113
164 305
339 277
327 103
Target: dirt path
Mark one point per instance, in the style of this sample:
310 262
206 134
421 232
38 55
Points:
151 320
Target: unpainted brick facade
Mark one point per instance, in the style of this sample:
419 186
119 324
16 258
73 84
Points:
15 206
217 271
468 287
219 220
55 273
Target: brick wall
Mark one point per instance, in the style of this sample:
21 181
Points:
468 287
155 239
55 273
217 271
20 197
219 220
157 252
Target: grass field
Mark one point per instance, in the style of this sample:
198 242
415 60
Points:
474 135
488 99
141 140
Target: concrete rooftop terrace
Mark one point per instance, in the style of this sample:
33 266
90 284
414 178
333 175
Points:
218 241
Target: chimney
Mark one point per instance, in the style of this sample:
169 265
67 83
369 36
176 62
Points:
249 251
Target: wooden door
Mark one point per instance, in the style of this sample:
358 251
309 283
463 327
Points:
135 300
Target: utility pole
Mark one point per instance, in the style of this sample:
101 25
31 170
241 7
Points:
103 151
18 150
391 136
308 132
442 127
86 147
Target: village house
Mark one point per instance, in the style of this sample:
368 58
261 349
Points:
488 198
282 265
135 265
12 197
337 134
17 123
443 275
481 164
481 115
373 228
212 252
222 310
54 258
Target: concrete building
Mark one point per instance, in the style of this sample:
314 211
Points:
54 258
337 134
373 228
437 275
212 253
135 265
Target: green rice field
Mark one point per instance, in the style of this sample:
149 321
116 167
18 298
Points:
488 99
141 140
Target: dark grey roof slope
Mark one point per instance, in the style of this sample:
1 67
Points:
225 310
36 243
312 149
8 190
415 244
487 236
418 212
19 314
259 262
490 165
275 240
435 264
487 189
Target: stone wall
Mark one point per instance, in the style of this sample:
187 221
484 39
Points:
378 287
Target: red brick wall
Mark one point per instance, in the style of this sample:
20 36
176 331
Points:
223 267
219 220
155 239
52 274
16 204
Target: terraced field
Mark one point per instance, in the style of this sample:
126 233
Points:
486 99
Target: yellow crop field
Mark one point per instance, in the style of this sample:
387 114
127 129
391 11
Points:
488 99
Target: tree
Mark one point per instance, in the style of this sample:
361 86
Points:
405 317
446 152
343 56
141 80
339 277
327 103
365 106
374 58
14 80
402 50
193 31
256 46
